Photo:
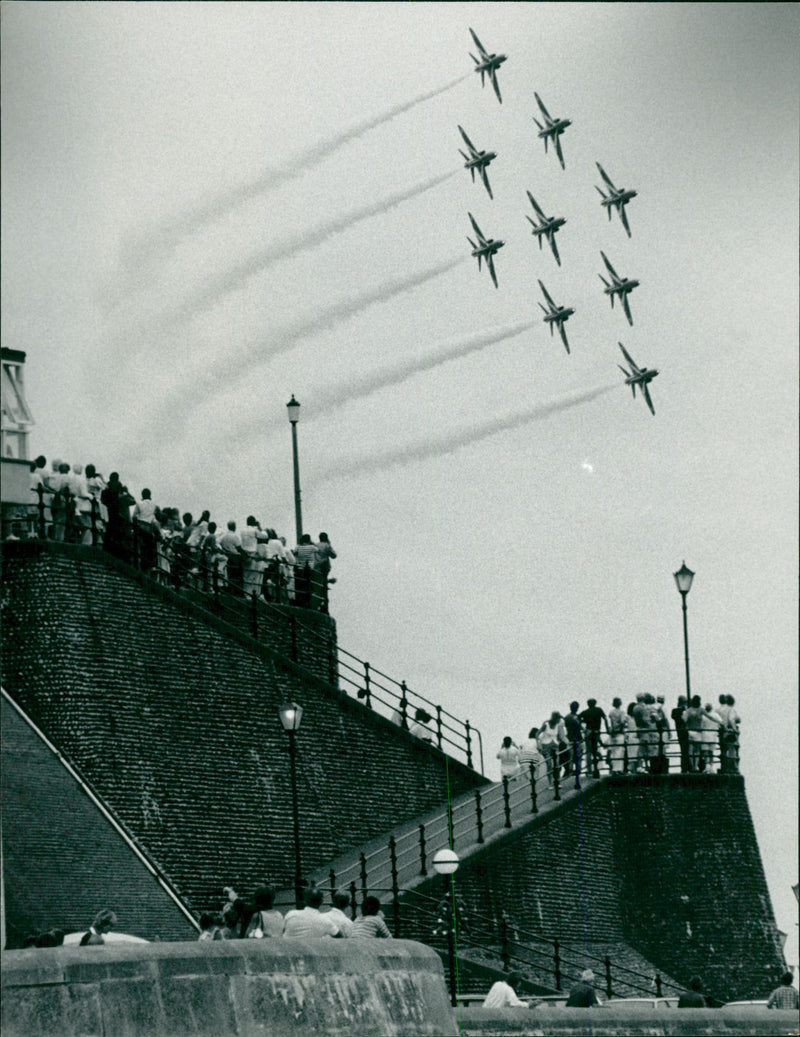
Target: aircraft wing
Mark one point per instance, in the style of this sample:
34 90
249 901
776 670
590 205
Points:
610 268
468 142
495 84
646 394
605 176
558 150
624 217
480 46
626 354
552 239
542 108
563 333
626 307
535 206
478 231
490 264
547 296
485 178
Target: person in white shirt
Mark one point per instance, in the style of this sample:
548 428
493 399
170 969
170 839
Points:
309 923
509 758
341 901
503 993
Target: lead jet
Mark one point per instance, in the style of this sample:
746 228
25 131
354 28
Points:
638 376
620 286
546 228
485 248
617 198
556 315
487 65
552 129
477 161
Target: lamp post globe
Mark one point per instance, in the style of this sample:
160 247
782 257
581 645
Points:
445 862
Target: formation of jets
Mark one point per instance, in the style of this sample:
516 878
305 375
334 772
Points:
487 64
552 129
556 316
619 286
485 249
617 198
638 376
546 227
477 161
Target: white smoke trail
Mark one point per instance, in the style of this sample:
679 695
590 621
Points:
216 288
334 397
454 441
205 377
152 245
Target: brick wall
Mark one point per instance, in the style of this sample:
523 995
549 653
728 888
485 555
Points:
175 724
614 866
63 865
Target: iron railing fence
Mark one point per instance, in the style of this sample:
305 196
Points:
248 597
473 818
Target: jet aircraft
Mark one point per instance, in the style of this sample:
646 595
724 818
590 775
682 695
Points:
638 376
546 228
477 161
552 129
556 315
617 198
485 248
620 286
487 65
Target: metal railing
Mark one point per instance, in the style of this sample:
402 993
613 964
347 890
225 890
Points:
252 597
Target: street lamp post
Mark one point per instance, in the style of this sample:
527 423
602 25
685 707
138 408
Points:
446 863
683 579
293 408
291 714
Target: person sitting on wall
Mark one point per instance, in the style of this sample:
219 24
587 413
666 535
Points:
341 901
309 922
370 924
503 993
693 997
784 996
583 994
265 922
419 729
208 927
509 758
103 923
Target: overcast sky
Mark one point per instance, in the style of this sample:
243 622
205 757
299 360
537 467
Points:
208 208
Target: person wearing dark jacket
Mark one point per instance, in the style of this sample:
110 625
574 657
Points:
693 997
583 994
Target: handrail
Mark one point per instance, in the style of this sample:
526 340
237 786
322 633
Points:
193 572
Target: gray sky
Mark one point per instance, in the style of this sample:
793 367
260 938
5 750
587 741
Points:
204 211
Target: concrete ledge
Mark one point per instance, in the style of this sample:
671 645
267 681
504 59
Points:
237 988
628 1022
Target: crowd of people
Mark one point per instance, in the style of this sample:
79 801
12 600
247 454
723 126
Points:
640 739
77 505
256 918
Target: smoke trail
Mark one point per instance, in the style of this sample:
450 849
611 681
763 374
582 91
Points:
455 440
338 395
217 287
208 377
151 245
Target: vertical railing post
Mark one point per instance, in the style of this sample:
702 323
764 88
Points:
468 736
423 867
136 545
362 860
254 616
557 963
609 991
40 507
353 900
479 814
367 691
95 518
532 770
395 886
324 593
556 788
204 564
504 952
658 984
506 803
333 668
332 880
404 706
215 582
439 726
293 633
